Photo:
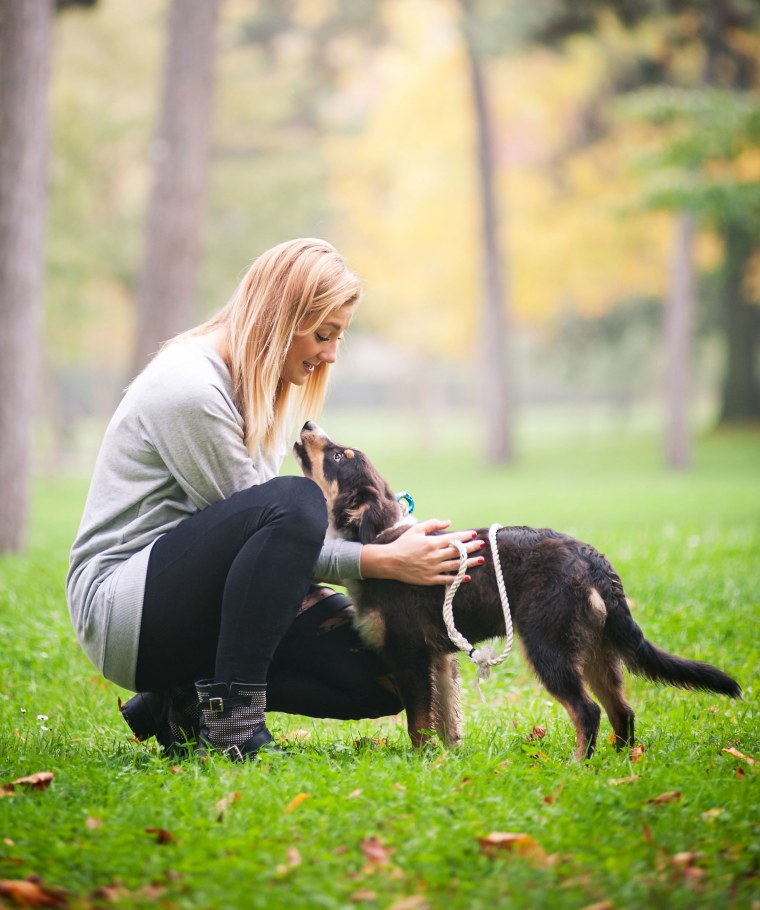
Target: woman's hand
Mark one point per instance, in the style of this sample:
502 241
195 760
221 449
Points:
420 557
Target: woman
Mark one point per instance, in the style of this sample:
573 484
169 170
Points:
193 557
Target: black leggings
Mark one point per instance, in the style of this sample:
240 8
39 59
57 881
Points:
222 594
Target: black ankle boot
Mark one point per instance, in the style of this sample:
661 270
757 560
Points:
173 717
145 713
233 719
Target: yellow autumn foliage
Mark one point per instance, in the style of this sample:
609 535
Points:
405 185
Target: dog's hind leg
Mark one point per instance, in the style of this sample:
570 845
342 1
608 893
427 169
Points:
605 677
446 691
564 681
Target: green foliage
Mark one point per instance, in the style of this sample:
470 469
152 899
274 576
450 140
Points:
353 817
703 132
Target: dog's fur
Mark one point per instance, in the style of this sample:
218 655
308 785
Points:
567 602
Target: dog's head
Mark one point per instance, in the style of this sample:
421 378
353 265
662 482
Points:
360 504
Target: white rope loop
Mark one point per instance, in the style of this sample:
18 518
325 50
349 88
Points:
484 658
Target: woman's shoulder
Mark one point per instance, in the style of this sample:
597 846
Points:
186 371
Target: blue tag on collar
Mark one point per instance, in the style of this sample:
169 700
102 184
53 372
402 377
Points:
408 499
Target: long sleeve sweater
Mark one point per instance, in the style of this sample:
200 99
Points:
174 446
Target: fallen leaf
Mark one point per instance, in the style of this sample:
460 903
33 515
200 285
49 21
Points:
636 753
161 834
740 755
415 902
510 842
685 858
298 735
618 781
176 769
671 797
225 802
39 781
647 832
553 797
693 874
354 793
362 895
93 823
536 733
109 893
31 892
375 851
293 861
296 802
709 814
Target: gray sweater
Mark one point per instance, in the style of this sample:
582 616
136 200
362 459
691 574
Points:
174 446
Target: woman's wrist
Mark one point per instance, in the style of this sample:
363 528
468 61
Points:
374 561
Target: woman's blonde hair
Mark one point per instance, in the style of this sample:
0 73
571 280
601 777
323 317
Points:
289 290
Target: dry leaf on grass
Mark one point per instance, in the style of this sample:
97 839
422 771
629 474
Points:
672 797
362 895
511 842
618 781
39 781
740 755
296 802
375 851
30 892
415 902
225 802
636 753
292 862
161 835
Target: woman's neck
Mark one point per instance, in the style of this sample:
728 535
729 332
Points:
218 339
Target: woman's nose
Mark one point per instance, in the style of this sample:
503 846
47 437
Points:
329 354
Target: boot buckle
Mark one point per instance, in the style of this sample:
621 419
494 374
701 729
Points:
216 705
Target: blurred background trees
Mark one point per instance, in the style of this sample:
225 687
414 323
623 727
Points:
608 208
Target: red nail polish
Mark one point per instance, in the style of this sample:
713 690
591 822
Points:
481 560
482 544
467 578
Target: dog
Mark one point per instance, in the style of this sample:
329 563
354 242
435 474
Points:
567 602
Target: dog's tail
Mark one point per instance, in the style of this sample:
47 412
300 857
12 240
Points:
645 659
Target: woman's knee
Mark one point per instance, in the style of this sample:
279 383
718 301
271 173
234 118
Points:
301 504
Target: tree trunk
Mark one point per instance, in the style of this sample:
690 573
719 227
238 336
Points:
25 39
741 389
679 324
497 392
180 151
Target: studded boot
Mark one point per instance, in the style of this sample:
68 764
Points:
233 719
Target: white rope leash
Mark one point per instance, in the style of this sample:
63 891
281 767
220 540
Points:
484 658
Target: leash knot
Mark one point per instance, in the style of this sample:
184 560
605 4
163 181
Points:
485 657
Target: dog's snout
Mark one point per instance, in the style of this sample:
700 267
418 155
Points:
308 427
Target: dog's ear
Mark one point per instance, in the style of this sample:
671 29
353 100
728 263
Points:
374 520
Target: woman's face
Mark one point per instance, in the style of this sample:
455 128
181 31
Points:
307 352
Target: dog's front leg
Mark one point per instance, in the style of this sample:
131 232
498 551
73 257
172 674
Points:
446 692
412 673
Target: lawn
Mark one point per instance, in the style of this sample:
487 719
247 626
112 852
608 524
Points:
353 817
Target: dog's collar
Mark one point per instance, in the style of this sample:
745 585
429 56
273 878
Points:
404 521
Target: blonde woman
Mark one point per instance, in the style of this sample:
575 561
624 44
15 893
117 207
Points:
191 577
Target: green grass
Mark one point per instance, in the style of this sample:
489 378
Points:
687 547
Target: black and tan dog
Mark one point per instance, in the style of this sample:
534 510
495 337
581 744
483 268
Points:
567 602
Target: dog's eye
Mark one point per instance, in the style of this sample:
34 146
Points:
338 456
